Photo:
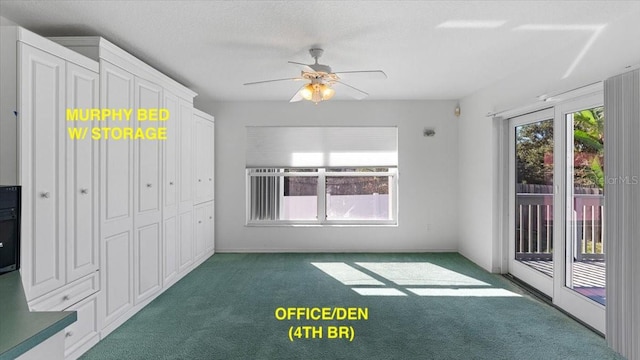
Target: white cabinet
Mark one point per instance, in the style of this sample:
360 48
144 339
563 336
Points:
108 224
185 228
171 251
56 172
209 242
204 155
147 160
147 175
204 229
203 135
116 200
170 151
81 297
81 177
201 230
85 332
186 240
147 261
42 126
186 166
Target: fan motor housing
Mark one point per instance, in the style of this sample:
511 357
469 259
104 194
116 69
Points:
319 68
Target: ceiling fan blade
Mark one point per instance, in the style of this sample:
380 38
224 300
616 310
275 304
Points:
305 67
369 74
353 92
298 95
274 80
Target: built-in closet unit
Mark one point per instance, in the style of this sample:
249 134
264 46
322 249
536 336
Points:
204 197
59 178
107 225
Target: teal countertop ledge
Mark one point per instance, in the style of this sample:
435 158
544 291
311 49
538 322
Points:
20 329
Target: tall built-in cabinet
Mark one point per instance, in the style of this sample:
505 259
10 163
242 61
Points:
107 225
59 177
148 237
204 184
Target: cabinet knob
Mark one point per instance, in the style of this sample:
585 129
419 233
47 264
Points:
148 185
199 221
68 334
209 179
65 298
44 195
210 217
170 182
199 180
84 191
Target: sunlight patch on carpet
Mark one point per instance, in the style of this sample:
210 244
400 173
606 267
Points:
493 292
346 274
420 273
378 292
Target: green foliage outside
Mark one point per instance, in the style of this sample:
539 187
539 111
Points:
534 150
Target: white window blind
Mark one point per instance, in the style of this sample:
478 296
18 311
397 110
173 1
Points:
622 210
290 147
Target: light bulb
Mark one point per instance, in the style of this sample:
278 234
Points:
307 92
327 92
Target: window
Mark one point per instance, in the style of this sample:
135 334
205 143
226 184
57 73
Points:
322 196
321 175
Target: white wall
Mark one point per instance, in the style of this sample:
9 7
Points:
428 169
8 120
478 197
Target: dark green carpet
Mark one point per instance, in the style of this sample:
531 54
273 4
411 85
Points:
225 309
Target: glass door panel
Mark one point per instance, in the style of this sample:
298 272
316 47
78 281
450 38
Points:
579 274
585 245
531 189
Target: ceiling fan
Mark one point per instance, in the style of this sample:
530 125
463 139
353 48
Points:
321 80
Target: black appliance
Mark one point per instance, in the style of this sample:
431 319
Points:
9 228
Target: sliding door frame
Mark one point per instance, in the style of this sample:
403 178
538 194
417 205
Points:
579 306
524 272
585 309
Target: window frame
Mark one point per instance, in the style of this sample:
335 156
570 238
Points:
321 217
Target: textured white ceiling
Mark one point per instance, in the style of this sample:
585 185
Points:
215 46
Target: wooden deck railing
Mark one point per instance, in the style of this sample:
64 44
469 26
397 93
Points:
534 227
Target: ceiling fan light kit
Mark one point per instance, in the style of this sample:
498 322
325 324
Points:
321 80
317 92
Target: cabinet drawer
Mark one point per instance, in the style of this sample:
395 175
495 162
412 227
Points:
84 332
68 295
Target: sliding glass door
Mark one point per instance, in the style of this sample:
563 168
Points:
531 197
556 205
580 282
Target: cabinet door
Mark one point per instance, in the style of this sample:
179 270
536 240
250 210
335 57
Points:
204 137
83 333
201 230
147 261
170 152
185 182
117 275
210 230
82 176
147 96
171 251
116 92
42 120
116 164
185 223
210 160
204 229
